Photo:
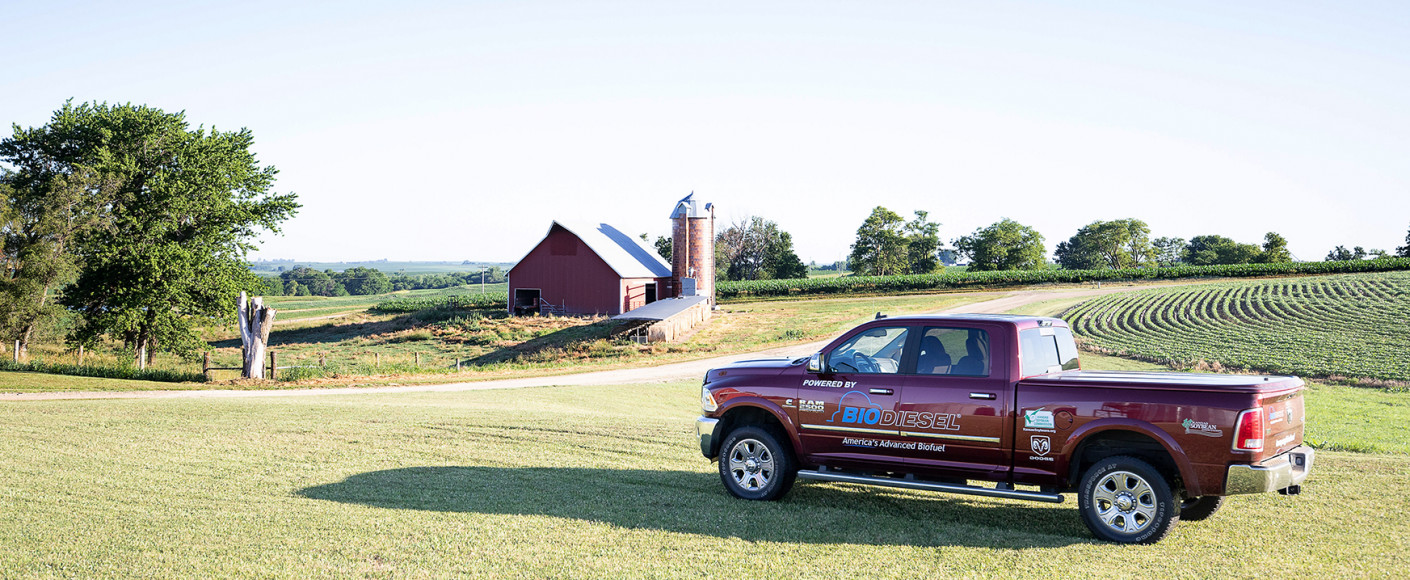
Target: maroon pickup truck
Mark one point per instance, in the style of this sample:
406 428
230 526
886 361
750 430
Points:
938 402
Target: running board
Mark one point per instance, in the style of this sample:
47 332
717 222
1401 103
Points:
929 486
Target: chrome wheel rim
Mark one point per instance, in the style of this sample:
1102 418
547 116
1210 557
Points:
1125 502
751 464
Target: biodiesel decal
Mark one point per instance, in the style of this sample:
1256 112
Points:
856 409
857 413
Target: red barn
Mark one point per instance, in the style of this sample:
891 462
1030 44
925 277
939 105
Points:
591 269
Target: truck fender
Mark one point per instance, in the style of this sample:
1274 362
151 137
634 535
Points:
1172 448
765 405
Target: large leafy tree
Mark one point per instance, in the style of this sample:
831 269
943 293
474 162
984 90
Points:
1404 251
361 281
319 283
922 244
1168 251
1003 245
882 247
177 211
1210 250
756 249
1121 243
1275 249
42 212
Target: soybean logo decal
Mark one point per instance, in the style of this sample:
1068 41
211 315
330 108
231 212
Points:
856 408
1193 427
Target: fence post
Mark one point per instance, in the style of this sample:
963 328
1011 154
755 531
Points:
205 365
273 366
17 351
80 355
322 360
457 363
377 360
418 359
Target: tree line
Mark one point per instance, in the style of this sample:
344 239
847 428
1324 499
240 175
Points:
362 281
886 245
132 224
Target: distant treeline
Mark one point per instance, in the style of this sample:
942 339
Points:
305 281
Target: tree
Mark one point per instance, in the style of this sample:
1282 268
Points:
663 247
922 244
1404 251
1341 254
1118 244
755 249
1168 251
1275 250
42 213
1004 245
882 247
1210 250
362 281
318 283
780 260
179 208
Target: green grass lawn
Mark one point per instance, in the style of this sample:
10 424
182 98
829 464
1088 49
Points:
599 481
23 382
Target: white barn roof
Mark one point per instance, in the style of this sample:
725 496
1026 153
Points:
627 255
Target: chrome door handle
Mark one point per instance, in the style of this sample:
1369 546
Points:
984 396
881 391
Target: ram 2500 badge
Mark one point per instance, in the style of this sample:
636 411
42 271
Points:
937 402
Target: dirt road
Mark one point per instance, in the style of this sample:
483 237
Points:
1004 302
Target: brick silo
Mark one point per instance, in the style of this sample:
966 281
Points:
693 248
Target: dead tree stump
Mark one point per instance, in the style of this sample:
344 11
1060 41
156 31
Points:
256 320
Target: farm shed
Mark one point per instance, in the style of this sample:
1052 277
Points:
587 269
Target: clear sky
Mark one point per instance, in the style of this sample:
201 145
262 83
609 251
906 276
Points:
459 130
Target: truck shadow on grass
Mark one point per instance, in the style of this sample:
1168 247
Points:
695 503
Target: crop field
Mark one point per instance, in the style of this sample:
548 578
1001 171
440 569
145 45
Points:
578 482
955 278
1351 326
293 308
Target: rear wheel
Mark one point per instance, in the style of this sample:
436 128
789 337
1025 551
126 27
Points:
755 465
1197 508
1125 500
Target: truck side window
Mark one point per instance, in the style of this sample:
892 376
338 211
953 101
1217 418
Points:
877 350
954 351
1046 350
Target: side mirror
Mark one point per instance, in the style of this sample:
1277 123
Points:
815 363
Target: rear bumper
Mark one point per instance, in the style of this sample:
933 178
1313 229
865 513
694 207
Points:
705 428
1280 472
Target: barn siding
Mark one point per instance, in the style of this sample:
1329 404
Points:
568 272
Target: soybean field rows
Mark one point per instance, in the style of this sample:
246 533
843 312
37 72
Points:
1354 326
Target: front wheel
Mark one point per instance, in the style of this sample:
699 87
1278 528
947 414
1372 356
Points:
1125 500
754 465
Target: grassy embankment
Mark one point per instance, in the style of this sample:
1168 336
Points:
575 482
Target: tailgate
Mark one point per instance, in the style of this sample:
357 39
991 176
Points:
1284 417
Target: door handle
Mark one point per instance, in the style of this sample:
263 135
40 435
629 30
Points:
984 396
881 391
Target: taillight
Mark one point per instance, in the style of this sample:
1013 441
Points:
1250 430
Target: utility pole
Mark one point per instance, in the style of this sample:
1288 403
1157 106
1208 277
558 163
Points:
482 279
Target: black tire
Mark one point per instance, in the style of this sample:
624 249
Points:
1125 500
1198 508
755 465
